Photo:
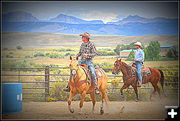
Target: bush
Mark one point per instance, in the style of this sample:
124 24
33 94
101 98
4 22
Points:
5 48
10 64
103 52
124 47
63 50
130 56
19 47
69 54
104 65
39 54
152 51
9 56
55 55
173 52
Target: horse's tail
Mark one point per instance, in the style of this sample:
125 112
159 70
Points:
162 80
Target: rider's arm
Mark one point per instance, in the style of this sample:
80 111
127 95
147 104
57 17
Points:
93 52
140 56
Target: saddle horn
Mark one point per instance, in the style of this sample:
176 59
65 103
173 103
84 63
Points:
118 59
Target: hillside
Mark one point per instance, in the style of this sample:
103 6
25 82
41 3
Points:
130 26
28 39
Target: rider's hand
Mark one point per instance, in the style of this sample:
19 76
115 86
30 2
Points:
85 55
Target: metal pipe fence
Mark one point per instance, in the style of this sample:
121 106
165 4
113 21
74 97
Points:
47 80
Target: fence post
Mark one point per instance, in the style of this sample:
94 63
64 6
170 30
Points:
46 82
19 76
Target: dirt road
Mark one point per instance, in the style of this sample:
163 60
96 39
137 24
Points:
59 110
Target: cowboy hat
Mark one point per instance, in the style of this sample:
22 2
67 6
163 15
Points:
138 43
85 35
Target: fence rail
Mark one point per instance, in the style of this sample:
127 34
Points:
47 80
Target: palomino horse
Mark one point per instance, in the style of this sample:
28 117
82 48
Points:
80 84
128 78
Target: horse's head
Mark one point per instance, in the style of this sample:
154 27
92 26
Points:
117 66
73 65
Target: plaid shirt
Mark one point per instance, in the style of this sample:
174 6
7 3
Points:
89 49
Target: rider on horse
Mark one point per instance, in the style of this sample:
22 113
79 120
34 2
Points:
139 58
87 52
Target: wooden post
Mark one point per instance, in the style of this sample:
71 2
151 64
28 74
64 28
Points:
46 82
19 76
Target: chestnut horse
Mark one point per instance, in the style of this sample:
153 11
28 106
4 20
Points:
128 78
80 84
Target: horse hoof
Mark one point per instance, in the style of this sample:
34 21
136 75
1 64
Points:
122 96
72 110
101 112
122 109
137 100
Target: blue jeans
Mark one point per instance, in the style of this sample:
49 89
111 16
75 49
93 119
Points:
139 66
90 67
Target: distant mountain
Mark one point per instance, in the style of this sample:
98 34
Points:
73 20
129 29
137 18
130 26
19 16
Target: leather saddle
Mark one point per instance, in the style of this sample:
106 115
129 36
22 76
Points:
145 71
88 73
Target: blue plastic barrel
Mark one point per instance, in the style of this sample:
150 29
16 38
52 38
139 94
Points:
11 97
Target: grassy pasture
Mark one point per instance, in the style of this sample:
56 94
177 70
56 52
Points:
38 57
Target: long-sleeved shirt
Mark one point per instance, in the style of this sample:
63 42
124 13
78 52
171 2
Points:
139 55
89 49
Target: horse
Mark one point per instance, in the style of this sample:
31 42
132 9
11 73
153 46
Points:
80 84
128 78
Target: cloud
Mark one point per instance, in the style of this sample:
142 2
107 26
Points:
98 15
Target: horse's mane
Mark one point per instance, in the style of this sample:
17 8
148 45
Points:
126 65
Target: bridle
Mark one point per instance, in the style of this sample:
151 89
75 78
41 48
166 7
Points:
129 71
75 74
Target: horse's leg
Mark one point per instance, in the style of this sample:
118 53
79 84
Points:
83 94
158 90
153 91
71 95
104 98
92 95
136 92
123 87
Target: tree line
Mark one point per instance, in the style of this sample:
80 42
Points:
152 51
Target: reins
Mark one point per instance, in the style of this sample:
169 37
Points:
79 83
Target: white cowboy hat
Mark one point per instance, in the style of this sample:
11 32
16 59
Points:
138 43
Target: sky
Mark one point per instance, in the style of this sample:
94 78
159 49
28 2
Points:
94 10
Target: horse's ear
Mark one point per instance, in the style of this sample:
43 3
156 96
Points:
70 57
117 59
76 57
120 60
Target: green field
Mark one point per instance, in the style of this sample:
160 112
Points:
59 57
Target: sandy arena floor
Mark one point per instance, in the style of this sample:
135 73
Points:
59 110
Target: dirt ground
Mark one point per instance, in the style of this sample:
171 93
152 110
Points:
59 110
